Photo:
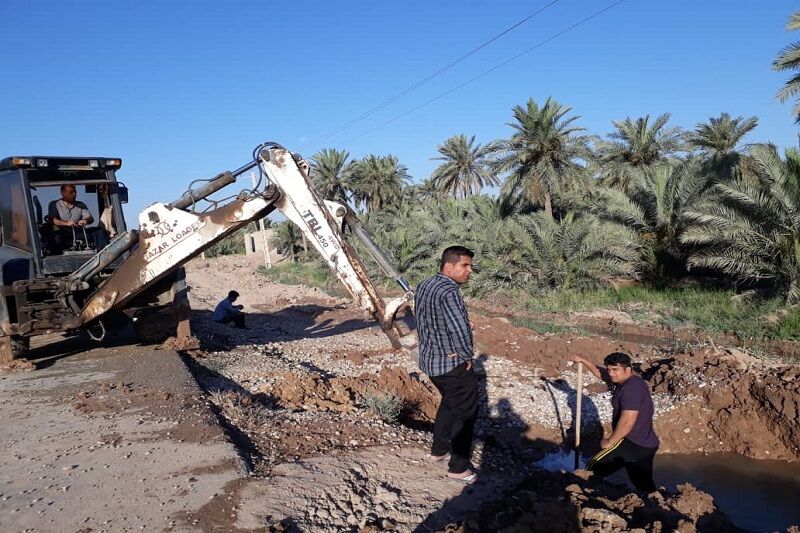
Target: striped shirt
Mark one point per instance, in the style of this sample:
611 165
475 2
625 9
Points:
442 325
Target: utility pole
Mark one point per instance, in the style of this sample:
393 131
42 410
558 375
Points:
264 240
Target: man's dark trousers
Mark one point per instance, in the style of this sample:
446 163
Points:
455 420
637 461
238 320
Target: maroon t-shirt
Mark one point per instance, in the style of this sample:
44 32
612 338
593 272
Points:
634 395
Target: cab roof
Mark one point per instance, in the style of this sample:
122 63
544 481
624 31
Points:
60 163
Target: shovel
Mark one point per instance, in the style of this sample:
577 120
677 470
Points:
578 402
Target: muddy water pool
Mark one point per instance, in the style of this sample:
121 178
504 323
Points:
758 495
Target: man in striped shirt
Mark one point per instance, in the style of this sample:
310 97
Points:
445 354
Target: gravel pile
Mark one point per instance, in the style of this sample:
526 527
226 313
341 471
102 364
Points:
514 396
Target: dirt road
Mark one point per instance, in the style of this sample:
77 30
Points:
119 440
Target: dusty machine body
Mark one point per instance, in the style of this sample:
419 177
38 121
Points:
139 273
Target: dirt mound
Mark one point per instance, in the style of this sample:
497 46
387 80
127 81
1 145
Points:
17 365
622 325
568 502
497 336
741 404
728 400
345 394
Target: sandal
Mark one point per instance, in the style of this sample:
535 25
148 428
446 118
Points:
469 479
439 458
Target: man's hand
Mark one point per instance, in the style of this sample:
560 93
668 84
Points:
82 222
471 324
605 443
591 367
455 356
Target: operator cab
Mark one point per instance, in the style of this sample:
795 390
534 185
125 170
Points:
35 190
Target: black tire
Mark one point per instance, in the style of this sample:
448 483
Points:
20 346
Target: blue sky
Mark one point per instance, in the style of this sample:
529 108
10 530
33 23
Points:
183 90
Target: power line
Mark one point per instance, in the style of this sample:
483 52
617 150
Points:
487 72
422 82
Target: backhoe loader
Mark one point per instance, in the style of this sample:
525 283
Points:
60 279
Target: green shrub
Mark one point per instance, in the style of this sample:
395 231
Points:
789 327
388 407
311 273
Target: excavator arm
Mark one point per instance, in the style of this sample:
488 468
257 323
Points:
171 234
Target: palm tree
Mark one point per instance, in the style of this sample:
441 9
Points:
789 59
464 220
465 170
535 250
408 237
543 156
330 170
750 229
288 239
635 147
652 205
718 140
377 181
414 235
721 136
422 192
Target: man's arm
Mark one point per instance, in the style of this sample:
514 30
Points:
458 329
627 419
58 222
591 367
86 215
233 309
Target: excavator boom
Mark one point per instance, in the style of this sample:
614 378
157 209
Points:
171 234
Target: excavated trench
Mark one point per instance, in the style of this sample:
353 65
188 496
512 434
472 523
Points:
729 402
309 395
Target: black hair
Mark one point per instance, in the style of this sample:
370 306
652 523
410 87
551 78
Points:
452 254
618 359
67 185
232 295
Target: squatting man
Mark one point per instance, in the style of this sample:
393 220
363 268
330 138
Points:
226 311
633 442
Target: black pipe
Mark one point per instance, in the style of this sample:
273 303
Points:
213 185
121 244
374 250
195 195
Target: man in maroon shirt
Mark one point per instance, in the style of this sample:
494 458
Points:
633 443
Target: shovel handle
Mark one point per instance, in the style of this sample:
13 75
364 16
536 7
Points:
578 406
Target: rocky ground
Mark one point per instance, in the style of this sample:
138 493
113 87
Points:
294 391
309 422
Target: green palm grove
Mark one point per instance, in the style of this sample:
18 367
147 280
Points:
551 206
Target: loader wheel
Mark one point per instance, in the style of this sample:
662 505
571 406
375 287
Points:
154 326
20 346
13 347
